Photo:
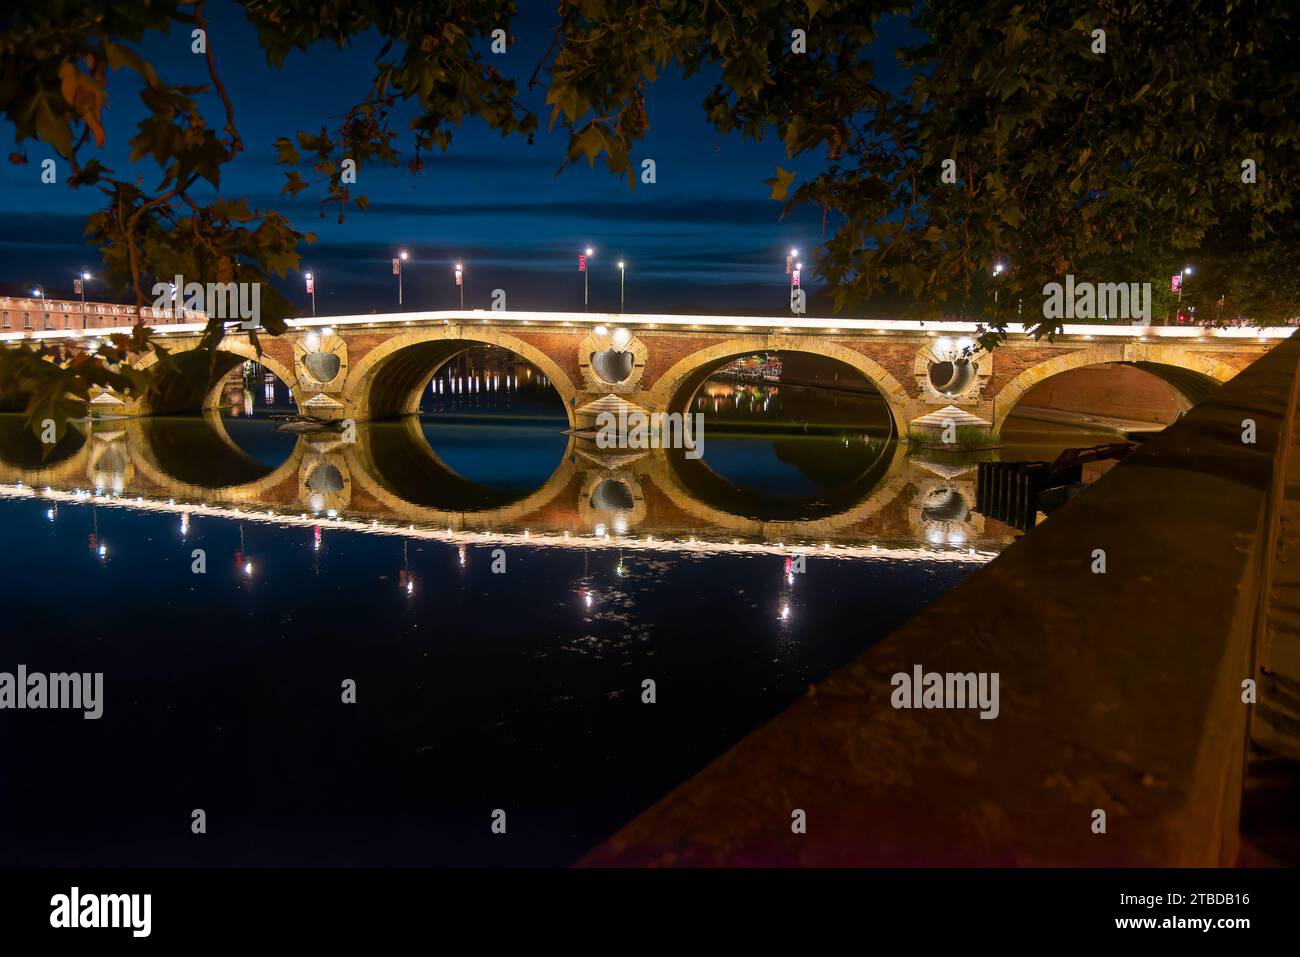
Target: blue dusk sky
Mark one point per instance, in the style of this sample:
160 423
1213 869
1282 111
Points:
705 237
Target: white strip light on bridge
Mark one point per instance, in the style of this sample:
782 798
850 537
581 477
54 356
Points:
837 325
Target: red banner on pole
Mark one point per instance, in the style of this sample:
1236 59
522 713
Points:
1175 282
397 267
789 264
458 277
76 286
795 280
582 263
310 286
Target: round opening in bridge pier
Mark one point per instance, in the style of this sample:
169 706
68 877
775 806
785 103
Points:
613 495
952 377
945 505
325 479
612 365
323 366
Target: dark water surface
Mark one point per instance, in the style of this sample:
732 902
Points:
475 691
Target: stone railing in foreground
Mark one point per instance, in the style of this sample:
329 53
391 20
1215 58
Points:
1119 692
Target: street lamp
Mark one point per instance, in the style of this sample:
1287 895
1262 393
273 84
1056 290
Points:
40 291
397 271
998 269
460 281
621 276
1187 271
81 288
585 284
797 299
311 288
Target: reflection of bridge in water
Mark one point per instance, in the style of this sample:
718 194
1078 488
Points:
391 481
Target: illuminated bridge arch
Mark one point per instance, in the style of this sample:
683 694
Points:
196 382
675 388
389 380
1191 374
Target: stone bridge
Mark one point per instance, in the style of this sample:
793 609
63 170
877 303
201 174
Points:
376 366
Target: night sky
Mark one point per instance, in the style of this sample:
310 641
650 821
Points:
704 238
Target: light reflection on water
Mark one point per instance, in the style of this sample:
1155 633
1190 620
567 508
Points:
478 688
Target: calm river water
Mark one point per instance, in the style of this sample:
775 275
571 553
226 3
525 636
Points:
518 689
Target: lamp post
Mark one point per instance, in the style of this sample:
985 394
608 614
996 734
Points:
789 270
621 275
311 288
40 291
397 271
582 267
460 282
81 288
998 269
1187 271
